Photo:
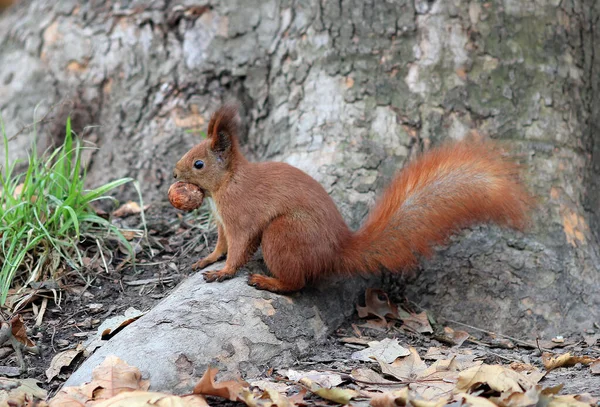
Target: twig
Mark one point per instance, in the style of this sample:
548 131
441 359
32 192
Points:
529 344
102 256
41 312
52 339
43 119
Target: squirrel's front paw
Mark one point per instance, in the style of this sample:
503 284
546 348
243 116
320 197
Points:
218 275
200 264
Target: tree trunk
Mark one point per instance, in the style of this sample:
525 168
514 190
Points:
348 90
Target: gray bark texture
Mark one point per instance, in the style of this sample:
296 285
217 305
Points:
347 90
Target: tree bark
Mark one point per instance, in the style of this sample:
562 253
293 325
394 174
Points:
348 91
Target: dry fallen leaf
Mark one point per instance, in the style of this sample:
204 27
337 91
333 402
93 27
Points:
386 350
391 399
564 360
323 379
114 376
416 322
455 338
531 372
148 398
369 377
529 397
127 209
60 360
565 401
69 396
473 401
266 384
337 395
406 368
496 377
230 390
379 305
19 331
595 367
279 399
15 392
557 342
591 340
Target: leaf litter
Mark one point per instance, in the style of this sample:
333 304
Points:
420 376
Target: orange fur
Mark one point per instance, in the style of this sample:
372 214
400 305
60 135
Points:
302 233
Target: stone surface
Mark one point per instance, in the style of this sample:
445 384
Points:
230 325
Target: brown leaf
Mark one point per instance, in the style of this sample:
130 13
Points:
452 337
230 390
128 209
377 324
369 377
60 360
391 399
298 398
19 331
69 397
355 341
564 401
377 304
388 350
416 322
531 372
564 360
496 377
404 368
112 377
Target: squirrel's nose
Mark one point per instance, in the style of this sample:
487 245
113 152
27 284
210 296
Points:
174 173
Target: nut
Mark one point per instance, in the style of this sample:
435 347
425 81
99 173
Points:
185 196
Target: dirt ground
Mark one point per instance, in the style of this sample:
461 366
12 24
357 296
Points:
82 309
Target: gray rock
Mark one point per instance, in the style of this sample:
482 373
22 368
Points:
228 325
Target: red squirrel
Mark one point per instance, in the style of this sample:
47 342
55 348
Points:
302 233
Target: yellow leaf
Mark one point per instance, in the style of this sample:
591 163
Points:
564 360
278 399
567 401
342 396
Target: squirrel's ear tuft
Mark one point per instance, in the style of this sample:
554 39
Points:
223 128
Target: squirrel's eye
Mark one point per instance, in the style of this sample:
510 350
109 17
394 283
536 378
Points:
198 164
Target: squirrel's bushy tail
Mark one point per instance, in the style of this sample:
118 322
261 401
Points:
453 186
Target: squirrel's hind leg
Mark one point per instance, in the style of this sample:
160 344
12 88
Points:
290 247
272 284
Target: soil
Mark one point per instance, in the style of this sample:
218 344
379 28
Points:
177 243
